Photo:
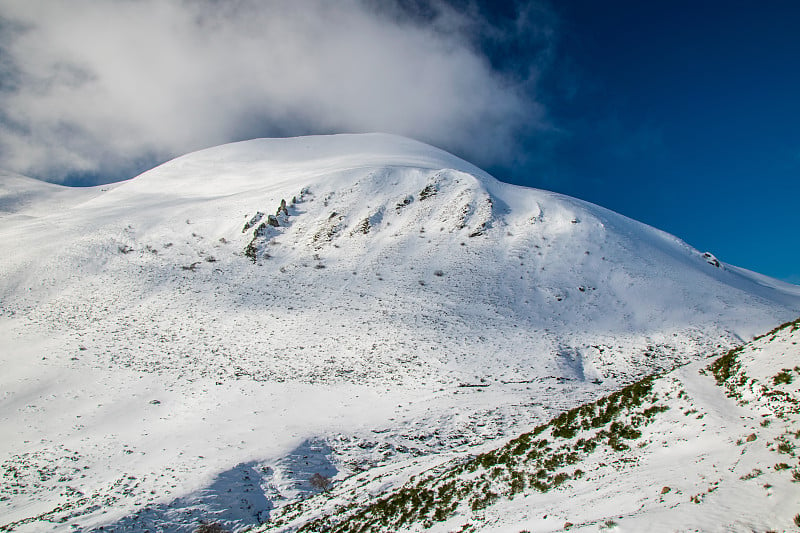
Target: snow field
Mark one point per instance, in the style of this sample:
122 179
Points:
407 305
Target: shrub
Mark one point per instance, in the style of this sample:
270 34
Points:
251 250
560 478
751 475
320 482
725 367
784 377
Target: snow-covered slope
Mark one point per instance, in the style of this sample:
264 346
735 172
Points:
707 447
368 297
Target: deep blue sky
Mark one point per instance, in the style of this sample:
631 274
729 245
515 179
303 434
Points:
683 115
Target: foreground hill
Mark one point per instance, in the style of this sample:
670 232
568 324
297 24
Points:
236 320
706 447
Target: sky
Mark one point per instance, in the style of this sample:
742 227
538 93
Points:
683 115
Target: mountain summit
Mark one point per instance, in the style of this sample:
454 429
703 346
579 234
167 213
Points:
368 297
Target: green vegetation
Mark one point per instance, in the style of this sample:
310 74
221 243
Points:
785 447
784 377
251 250
752 475
726 366
540 460
792 324
546 459
729 373
727 370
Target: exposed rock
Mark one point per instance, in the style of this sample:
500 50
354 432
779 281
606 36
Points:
282 209
404 202
428 192
478 231
362 227
253 221
711 260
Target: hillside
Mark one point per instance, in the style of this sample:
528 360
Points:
706 447
219 329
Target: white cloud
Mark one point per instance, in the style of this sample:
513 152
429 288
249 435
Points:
97 85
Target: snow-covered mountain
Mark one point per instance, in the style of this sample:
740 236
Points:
197 342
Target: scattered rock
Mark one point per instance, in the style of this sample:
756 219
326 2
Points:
404 202
282 209
363 227
479 231
260 231
253 221
711 260
428 192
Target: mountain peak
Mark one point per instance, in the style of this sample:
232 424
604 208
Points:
244 165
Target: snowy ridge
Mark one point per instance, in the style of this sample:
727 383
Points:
29 197
367 292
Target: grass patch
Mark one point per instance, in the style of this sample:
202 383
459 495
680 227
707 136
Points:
784 377
535 461
726 366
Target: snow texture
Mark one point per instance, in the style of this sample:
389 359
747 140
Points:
372 300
